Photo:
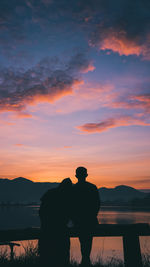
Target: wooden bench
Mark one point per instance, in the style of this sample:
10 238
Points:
129 232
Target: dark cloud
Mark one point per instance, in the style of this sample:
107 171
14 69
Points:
48 81
98 127
82 62
122 26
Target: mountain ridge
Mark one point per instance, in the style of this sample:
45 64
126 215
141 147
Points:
24 190
121 192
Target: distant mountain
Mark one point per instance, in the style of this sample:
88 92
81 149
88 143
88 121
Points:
22 180
22 190
120 193
145 190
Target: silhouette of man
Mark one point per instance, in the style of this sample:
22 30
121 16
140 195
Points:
86 204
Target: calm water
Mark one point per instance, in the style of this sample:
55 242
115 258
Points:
104 247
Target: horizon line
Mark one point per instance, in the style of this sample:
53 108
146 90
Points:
64 178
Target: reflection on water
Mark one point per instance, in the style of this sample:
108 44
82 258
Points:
103 247
19 217
118 216
27 216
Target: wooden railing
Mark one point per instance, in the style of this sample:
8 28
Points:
129 232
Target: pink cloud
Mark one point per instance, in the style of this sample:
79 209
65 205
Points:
111 123
89 67
2 123
143 101
87 97
133 102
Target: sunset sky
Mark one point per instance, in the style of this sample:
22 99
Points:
75 90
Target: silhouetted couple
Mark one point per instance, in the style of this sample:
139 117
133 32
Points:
79 203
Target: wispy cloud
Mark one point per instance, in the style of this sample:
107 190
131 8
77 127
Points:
143 101
141 180
90 96
139 102
98 127
19 145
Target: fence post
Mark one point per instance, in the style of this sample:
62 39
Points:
132 251
11 251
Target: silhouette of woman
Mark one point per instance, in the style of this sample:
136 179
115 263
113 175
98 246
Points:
54 243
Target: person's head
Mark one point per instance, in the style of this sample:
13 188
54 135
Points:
81 174
65 185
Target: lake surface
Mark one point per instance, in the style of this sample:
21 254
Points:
104 247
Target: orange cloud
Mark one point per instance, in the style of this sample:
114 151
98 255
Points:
111 123
19 145
23 115
119 42
121 45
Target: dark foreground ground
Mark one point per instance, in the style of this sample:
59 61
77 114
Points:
24 262
31 259
18 263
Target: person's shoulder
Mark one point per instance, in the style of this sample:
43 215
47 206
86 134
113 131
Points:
90 185
48 194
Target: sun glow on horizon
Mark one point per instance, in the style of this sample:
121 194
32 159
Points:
75 91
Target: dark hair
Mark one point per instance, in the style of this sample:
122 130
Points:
81 172
65 184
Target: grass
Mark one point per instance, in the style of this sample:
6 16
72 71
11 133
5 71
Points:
31 259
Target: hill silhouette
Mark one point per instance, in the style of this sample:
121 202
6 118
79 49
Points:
22 190
121 192
21 180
